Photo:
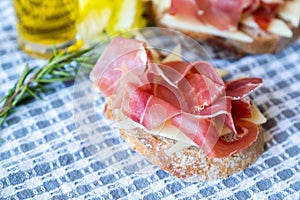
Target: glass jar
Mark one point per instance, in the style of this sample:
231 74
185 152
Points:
42 24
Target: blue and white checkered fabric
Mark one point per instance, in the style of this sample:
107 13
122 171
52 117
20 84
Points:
45 156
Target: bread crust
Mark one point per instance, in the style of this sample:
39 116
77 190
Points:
190 164
263 42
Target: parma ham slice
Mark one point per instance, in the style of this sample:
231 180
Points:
226 15
240 88
120 52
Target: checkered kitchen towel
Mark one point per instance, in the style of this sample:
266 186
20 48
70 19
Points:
46 155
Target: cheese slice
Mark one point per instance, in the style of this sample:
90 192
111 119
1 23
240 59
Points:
222 72
139 36
196 26
176 55
257 117
277 26
165 130
162 5
178 146
169 131
290 11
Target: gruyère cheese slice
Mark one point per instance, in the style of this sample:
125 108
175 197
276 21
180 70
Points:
176 55
257 116
162 5
290 11
140 36
196 26
169 131
222 72
165 130
277 26
178 146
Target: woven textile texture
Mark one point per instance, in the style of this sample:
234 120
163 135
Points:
45 156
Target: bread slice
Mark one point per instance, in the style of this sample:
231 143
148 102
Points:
190 164
263 42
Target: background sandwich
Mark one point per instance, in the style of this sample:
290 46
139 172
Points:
248 26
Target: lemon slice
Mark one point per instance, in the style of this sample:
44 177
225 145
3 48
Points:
127 15
94 16
108 16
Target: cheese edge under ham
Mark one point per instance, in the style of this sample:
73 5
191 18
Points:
171 132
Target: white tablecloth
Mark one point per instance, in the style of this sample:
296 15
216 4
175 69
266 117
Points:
45 156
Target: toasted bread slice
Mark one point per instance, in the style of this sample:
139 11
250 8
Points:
191 163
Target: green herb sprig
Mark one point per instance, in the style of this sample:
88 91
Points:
32 81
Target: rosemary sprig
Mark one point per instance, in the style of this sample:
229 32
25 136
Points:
31 83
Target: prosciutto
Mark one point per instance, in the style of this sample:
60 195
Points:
225 15
202 131
241 108
221 110
250 5
173 72
147 109
204 90
190 95
240 88
221 14
264 15
224 148
184 7
115 62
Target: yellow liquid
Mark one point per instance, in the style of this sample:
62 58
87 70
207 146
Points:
44 23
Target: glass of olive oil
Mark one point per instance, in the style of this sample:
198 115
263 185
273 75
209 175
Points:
42 24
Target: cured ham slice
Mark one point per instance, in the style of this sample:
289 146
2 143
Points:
223 148
241 108
147 109
202 131
264 15
240 88
203 84
173 96
226 15
221 14
226 110
220 107
129 80
222 111
135 105
172 72
250 5
208 70
197 84
204 89
120 52
184 7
